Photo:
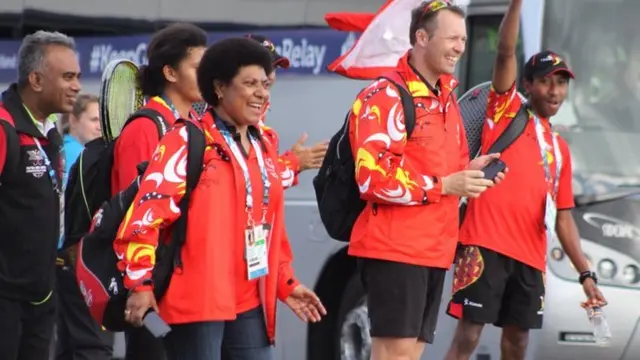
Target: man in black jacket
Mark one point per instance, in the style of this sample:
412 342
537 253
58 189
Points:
31 191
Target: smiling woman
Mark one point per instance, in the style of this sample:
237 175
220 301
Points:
237 258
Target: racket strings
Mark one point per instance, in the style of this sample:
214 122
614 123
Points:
122 97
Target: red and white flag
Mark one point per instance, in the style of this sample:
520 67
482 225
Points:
384 39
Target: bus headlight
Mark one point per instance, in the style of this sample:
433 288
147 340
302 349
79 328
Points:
614 268
557 254
607 269
631 274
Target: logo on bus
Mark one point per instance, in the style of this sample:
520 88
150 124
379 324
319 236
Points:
612 227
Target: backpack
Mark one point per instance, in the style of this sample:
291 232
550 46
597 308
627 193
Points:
337 192
473 108
89 181
99 279
12 139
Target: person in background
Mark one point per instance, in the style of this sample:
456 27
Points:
299 158
80 127
406 236
500 274
237 258
169 81
78 335
32 192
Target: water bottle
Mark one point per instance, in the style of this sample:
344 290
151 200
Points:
601 331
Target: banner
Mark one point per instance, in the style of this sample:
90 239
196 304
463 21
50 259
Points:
309 51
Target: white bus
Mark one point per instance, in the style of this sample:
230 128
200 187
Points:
600 39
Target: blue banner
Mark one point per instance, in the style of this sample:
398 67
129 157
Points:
310 51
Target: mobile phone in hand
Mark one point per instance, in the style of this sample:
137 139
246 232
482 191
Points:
493 168
156 326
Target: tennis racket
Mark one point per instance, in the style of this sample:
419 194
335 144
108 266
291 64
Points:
473 108
119 97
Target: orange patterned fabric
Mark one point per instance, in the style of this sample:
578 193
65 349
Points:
288 162
205 289
468 268
407 219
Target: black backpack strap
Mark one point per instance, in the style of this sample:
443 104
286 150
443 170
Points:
12 157
195 157
406 98
154 115
512 132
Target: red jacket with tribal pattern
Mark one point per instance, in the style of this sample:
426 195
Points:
205 289
407 219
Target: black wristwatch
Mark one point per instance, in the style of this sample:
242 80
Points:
588 274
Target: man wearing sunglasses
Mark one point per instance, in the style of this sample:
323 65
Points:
406 236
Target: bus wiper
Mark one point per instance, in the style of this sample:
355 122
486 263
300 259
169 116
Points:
619 193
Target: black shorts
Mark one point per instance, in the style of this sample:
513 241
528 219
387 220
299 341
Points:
491 288
403 299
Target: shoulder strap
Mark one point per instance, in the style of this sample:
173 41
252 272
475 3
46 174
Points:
407 99
195 157
12 156
154 115
512 132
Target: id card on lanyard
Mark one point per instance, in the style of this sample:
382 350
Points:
256 233
550 211
58 187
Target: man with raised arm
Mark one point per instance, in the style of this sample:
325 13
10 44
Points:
499 275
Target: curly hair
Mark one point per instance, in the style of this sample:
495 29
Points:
168 46
223 60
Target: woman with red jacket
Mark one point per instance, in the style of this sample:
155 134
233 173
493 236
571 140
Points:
237 258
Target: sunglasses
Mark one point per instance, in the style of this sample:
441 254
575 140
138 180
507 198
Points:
436 5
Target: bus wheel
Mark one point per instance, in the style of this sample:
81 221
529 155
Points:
353 341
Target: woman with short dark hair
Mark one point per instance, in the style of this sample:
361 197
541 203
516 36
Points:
237 258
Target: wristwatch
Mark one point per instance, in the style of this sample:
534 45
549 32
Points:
588 274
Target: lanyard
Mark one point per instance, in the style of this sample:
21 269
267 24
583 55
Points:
166 102
52 173
543 152
266 184
57 187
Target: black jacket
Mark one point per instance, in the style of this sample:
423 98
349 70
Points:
29 204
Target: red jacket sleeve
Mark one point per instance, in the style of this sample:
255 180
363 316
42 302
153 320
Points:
289 169
286 281
378 138
501 109
136 144
564 199
154 207
288 162
3 148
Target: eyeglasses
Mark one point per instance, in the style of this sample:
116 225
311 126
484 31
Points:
436 5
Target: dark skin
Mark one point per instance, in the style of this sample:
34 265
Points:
54 87
546 94
241 101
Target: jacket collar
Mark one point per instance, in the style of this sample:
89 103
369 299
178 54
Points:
21 118
254 131
419 87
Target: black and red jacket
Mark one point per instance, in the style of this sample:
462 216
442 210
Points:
29 205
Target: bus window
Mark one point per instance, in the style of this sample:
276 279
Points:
476 65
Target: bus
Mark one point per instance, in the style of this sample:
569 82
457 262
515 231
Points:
600 39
